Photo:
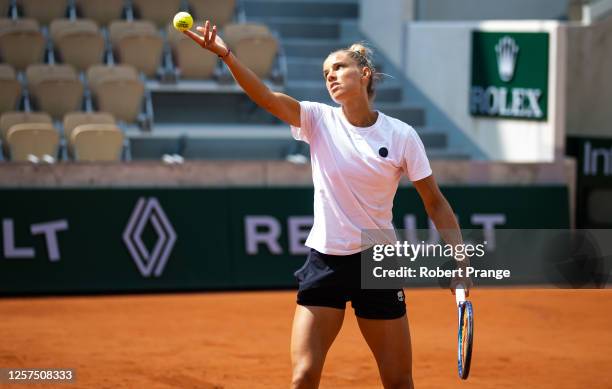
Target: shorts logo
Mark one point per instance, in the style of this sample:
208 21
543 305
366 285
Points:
400 295
383 152
149 262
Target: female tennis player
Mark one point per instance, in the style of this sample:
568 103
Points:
357 155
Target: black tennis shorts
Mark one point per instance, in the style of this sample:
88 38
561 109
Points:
332 280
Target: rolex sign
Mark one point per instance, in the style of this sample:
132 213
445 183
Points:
509 75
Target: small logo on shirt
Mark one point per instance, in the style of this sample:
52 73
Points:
383 152
400 295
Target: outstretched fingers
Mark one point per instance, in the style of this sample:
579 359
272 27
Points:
213 35
195 37
207 33
207 36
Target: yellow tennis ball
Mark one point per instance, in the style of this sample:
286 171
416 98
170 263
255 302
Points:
182 21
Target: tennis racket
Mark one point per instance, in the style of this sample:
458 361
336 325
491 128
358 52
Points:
465 334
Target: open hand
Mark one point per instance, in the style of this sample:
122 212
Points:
209 39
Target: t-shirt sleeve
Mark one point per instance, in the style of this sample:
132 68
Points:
415 163
310 113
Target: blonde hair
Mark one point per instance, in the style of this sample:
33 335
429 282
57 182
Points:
362 54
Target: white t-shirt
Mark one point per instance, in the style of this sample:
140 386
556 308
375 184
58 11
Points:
356 172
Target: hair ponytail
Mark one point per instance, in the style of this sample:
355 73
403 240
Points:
363 55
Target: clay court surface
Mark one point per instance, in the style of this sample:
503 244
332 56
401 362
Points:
523 339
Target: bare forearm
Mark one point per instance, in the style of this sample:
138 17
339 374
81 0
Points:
282 106
445 221
440 212
249 82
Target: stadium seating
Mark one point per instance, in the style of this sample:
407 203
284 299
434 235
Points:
44 11
13 119
219 12
10 89
32 139
157 11
4 7
137 43
96 142
78 42
235 31
56 89
99 142
117 89
254 44
74 119
189 59
102 11
21 42
9 119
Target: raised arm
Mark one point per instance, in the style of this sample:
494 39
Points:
284 107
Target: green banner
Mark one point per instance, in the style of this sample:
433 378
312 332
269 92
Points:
122 240
509 75
83 246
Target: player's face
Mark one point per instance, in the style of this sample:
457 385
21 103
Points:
344 78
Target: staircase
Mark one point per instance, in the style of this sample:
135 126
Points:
309 31
206 123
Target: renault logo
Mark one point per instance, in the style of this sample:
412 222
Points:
149 261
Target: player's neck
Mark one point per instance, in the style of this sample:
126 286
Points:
359 113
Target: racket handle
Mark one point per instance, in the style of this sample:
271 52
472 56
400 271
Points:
459 294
